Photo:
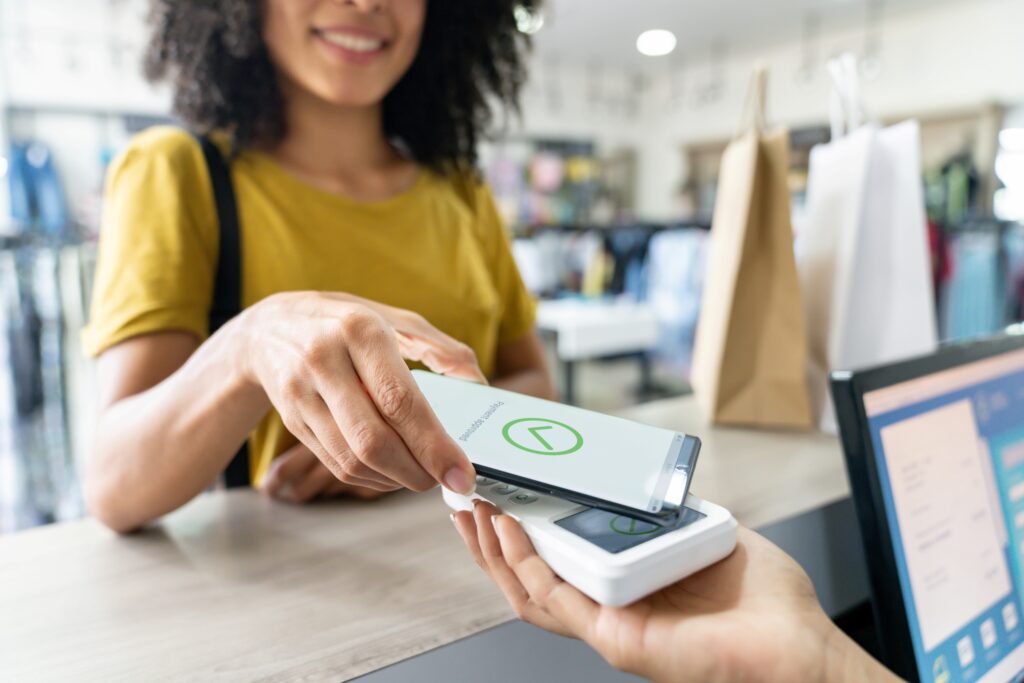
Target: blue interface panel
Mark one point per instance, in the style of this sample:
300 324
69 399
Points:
950 454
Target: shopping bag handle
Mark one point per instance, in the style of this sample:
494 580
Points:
755 102
846 107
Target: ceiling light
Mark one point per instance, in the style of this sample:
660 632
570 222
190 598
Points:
528 21
656 43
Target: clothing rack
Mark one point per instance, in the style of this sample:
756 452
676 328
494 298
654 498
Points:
46 391
984 289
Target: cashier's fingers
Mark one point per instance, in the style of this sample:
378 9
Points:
564 603
493 562
466 527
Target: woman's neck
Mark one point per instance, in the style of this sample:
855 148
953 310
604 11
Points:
340 149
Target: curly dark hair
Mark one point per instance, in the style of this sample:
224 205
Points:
223 78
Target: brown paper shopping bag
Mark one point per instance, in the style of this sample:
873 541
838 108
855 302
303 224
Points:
750 353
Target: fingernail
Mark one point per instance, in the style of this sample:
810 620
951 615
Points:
457 480
286 492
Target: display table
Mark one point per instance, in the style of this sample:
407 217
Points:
586 329
236 587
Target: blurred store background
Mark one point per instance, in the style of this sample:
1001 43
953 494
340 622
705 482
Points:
607 182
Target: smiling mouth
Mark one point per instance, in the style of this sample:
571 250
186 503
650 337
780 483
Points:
363 45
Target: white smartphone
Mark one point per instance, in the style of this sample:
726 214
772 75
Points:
597 460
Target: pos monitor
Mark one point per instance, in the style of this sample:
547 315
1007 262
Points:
935 452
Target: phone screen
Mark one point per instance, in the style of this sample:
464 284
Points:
608 458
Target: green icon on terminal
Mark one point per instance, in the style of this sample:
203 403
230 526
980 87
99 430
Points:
627 526
542 436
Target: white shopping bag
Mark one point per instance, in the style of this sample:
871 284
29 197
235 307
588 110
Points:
863 254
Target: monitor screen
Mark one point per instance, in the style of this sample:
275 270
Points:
949 449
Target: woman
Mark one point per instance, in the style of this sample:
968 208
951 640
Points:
366 242
751 617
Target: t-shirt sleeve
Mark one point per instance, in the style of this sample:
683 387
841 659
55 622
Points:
519 309
157 246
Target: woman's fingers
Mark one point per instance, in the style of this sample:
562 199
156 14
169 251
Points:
391 387
359 447
337 377
298 476
287 467
361 491
316 482
440 353
568 606
418 340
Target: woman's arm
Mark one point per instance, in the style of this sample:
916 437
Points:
174 412
172 415
521 367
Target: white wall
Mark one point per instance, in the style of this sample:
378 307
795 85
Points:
76 54
568 101
951 57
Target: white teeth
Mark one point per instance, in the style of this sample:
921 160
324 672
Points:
351 42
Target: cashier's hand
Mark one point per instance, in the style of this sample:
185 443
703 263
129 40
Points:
333 366
298 476
751 617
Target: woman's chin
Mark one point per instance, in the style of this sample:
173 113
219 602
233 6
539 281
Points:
351 97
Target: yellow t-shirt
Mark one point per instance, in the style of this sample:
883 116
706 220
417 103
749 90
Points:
431 249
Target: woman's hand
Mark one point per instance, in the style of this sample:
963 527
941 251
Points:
332 365
751 617
298 476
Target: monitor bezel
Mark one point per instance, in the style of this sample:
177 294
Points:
848 390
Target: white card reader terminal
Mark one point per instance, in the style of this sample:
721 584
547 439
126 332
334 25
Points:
612 558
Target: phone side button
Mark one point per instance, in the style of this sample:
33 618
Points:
481 480
505 489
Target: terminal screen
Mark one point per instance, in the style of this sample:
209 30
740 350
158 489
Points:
949 449
616 533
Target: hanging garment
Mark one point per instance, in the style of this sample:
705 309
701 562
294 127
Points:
676 260
23 331
628 247
19 188
974 303
1013 247
37 199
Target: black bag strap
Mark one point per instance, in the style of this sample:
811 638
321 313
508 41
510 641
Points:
227 283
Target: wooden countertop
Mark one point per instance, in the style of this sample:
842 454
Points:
236 587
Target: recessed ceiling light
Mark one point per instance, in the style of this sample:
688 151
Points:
528 21
656 43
